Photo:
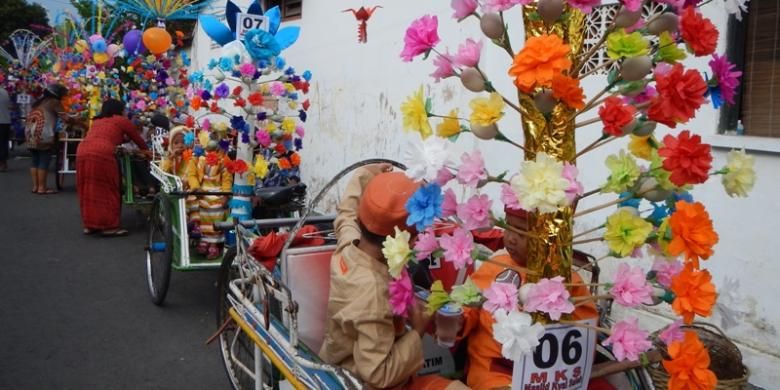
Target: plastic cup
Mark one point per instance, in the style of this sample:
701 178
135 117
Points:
448 322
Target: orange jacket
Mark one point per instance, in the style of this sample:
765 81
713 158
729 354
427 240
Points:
487 367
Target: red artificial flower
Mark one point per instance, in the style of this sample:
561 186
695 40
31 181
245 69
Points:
284 163
189 122
240 102
295 159
302 86
255 99
237 166
306 105
196 103
212 158
680 94
214 107
148 75
237 90
698 32
615 115
686 158
280 149
184 82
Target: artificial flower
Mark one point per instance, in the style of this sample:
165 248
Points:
443 64
196 103
295 159
444 176
623 45
263 138
541 58
672 333
568 90
261 44
509 197
501 5
624 172
424 206
401 294
739 176
630 288
261 167
667 49
689 363
472 169
468 53
425 159
277 89
549 296
247 70
425 244
255 99
585 6
626 232
516 333
627 340
449 126
475 213
466 293
500 296
575 188
238 166
457 247
616 115
486 111
284 164
288 125
698 32
540 185
396 251
665 270
694 293
449 206
641 146
463 8
692 232
221 91
687 158
726 76
632 5
657 172
416 114
421 37
437 298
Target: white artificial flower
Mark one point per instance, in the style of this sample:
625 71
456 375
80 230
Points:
736 7
540 185
516 333
740 176
426 157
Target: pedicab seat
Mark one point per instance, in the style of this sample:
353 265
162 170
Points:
278 196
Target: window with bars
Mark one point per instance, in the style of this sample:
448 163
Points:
291 9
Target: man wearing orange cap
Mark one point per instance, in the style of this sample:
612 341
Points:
362 335
487 368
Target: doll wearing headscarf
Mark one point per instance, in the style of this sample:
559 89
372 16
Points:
177 159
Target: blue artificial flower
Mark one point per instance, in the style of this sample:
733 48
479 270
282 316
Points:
716 96
289 71
225 64
261 45
287 144
207 84
196 77
302 115
222 91
683 195
293 96
236 73
205 95
660 211
189 138
212 64
153 95
185 59
262 64
630 201
424 206
238 123
280 63
298 144
306 75
224 145
261 116
245 137
197 151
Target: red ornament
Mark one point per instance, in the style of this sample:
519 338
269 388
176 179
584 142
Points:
362 15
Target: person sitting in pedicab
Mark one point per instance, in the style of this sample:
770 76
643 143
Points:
486 367
176 162
362 335
144 184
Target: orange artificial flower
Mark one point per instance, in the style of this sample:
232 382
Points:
284 163
196 103
186 155
689 365
692 232
568 90
542 58
295 159
694 293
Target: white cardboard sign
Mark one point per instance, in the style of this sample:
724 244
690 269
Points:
563 360
246 22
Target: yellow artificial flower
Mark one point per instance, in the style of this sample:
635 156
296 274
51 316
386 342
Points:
272 127
261 167
641 147
397 252
203 138
437 298
486 111
288 125
622 45
626 232
664 236
416 115
667 49
540 185
657 171
289 87
740 175
292 104
624 172
449 126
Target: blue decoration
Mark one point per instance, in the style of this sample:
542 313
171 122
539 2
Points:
189 138
302 115
298 144
225 64
261 45
238 123
424 206
280 62
630 202
306 75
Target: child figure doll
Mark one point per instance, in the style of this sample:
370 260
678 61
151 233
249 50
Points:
210 174
176 162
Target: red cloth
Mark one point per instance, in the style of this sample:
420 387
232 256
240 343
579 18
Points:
445 270
266 249
97 174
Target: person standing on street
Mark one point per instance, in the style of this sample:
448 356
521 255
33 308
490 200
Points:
5 127
40 131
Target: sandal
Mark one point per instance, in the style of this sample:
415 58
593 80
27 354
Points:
114 233
88 231
47 191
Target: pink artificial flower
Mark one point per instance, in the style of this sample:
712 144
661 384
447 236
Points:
728 78
444 176
575 188
401 294
549 296
263 138
425 244
585 6
509 197
443 63
421 36
502 5
662 69
631 288
636 26
140 105
472 169
632 5
645 96
449 206
627 340
277 89
247 69
206 124
468 53
672 333
500 296
463 8
299 131
475 213
666 270
457 247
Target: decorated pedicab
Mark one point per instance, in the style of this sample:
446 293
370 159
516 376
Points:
271 319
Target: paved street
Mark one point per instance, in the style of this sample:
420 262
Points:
74 310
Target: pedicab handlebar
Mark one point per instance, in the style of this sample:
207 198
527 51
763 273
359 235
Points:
200 193
272 222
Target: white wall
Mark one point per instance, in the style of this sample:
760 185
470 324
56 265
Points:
357 91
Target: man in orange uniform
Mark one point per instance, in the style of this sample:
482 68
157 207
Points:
487 368
362 335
